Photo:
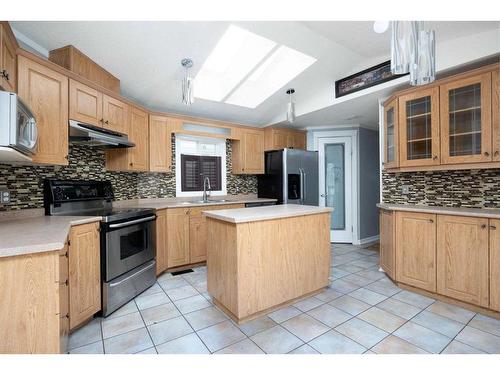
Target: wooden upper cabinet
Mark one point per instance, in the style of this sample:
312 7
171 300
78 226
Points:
466 120
248 153
46 93
416 249
85 104
8 63
72 59
115 115
298 140
495 113
84 273
387 243
178 237
279 138
139 134
161 241
391 140
462 259
495 264
160 142
419 139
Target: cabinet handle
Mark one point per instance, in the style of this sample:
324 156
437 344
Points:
65 283
434 157
431 221
131 164
486 153
493 227
483 226
67 315
106 122
65 254
497 153
5 74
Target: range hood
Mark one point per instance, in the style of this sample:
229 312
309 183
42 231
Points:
93 136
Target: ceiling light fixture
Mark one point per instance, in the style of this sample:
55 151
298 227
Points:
290 112
187 83
413 51
380 27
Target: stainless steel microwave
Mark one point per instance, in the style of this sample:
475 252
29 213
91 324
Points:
17 124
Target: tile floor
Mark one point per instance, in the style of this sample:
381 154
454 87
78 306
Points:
361 312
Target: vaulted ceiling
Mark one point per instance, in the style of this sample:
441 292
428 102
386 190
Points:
146 57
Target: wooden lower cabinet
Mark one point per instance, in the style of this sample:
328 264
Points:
32 317
495 264
462 259
161 241
416 249
197 239
84 273
387 243
182 236
178 237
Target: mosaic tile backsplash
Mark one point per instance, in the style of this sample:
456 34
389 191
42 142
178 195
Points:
466 188
25 183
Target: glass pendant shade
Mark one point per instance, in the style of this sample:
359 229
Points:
290 109
424 69
187 83
187 90
290 113
404 39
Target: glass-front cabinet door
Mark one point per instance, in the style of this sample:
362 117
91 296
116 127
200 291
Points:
419 128
466 120
391 153
495 113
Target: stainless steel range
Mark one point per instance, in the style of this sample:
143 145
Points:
128 250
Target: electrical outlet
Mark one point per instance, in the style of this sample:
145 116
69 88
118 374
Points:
4 196
405 189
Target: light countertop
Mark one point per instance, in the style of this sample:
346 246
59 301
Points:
245 215
491 213
37 234
162 203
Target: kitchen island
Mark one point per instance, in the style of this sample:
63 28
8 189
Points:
263 258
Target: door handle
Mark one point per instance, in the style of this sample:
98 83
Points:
324 195
128 223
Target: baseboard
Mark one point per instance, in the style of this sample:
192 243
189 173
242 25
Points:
367 240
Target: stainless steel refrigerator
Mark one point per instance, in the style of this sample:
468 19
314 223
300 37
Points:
291 176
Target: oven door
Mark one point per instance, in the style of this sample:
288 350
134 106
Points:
128 245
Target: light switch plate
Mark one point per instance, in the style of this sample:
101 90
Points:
4 196
405 189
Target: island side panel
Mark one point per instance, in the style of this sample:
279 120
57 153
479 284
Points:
281 260
222 280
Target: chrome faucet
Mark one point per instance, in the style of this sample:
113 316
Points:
206 181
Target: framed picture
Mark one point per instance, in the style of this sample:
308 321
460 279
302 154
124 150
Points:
369 77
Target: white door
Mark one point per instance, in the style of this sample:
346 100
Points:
335 177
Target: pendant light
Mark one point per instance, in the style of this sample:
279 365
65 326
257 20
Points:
424 69
404 40
290 112
187 83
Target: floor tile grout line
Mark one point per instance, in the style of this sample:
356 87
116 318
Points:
455 337
145 326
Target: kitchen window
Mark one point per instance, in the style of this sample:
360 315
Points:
197 158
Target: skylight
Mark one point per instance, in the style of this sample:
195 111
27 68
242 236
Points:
233 58
245 69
